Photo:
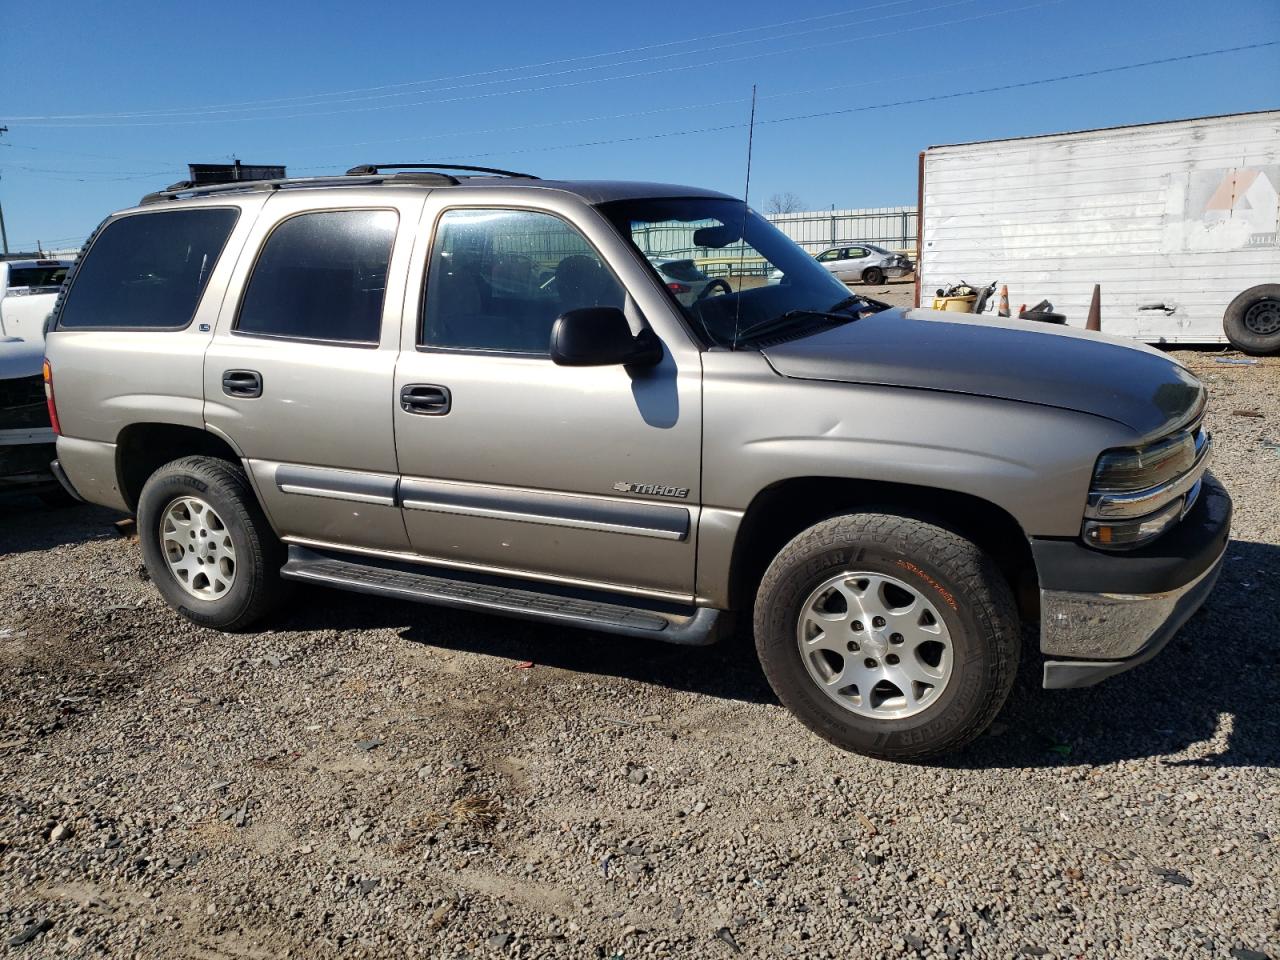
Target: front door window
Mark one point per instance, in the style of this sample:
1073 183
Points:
500 278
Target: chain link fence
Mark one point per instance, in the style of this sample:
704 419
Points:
894 228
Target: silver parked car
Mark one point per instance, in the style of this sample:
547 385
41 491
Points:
687 283
864 263
478 391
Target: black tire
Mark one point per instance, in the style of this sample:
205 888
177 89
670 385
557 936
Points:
719 283
1252 321
873 276
951 574
256 586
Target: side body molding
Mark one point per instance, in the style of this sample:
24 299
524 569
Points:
587 513
336 484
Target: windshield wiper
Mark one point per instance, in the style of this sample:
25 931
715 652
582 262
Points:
781 322
849 301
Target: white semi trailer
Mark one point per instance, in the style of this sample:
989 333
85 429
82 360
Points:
1176 221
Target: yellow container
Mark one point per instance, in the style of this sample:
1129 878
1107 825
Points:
956 304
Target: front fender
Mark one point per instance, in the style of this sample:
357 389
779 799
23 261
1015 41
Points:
1035 462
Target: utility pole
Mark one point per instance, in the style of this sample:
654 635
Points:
4 237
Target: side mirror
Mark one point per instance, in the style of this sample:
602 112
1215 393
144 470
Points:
601 337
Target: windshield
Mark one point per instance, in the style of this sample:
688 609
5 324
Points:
757 284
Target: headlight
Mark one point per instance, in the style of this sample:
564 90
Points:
1140 492
1125 535
1137 468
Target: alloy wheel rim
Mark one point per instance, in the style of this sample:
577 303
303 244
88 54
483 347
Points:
874 645
1263 318
198 548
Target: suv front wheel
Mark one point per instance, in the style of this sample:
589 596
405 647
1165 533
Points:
887 635
207 544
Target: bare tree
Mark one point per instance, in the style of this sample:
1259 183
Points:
784 203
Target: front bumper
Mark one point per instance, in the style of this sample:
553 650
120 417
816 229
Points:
1104 613
24 459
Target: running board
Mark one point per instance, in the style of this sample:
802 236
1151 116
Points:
695 629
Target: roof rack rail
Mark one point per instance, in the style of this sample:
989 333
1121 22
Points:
367 169
187 189
421 173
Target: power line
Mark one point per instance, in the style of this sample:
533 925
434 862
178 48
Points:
1154 38
347 145
467 76
732 126
818 114
890 104
76 153
705 105
1102 71
46 244
862 38
1034 83
106 173
57 178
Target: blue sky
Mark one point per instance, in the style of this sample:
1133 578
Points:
142 89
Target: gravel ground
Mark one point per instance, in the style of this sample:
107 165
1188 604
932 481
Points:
371 779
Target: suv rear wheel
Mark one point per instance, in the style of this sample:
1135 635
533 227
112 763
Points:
887 635
207 545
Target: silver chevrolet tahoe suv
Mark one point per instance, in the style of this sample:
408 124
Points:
472 388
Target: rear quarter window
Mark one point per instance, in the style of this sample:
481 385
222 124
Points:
147 271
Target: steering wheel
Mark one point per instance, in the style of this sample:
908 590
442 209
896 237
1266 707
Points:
718 283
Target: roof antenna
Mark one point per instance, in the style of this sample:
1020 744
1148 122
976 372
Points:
742 236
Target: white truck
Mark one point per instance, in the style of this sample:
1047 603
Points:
1176 221
28 292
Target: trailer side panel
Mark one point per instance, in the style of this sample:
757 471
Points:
1172 219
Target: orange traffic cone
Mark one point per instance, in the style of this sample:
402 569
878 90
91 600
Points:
1003 311
1022 310
1094 321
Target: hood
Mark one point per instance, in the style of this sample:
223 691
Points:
1001 358
20 358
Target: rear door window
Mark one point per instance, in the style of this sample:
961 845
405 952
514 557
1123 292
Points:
321 276
147 271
